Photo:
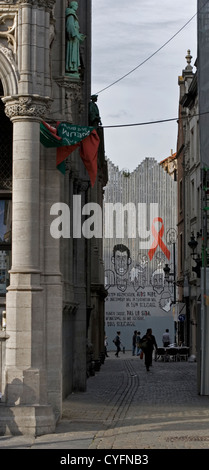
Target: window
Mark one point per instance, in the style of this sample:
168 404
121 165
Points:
5 148
192 146
5 243
6 138
181 252
5 266
180 195
5 222
192 199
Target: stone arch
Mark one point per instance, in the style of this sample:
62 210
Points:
8 72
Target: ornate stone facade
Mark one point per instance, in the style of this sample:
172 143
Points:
28 106
52 288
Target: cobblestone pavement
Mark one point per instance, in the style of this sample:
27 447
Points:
126 407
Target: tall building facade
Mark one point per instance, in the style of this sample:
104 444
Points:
192 156
48 286
189 203
140 239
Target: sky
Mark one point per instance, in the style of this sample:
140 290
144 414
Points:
125 34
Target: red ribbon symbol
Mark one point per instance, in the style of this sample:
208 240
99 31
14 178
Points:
158 240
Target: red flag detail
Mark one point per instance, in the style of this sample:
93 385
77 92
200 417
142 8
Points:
52 129
64 152
89 152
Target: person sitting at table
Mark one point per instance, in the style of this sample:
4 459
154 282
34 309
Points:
166 338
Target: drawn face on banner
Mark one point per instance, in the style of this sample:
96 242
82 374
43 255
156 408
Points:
137 277
157 280
171 236
160 259
165 302
142 260
121 259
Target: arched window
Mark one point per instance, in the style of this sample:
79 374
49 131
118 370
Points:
5 147
6 138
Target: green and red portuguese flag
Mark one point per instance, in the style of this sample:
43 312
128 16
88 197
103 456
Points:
66 138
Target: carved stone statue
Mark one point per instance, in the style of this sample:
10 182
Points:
94 117
74 37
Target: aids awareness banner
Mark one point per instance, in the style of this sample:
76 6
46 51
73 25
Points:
203 82
138 295
137 249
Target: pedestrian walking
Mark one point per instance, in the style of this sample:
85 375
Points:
138 341
134 343
117 343
166 338
147 345
105 346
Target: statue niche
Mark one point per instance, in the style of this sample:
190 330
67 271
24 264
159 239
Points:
73 40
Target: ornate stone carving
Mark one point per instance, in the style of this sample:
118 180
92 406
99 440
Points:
71 308
10 33
68 107
29 106
52 32
9 71
48 4
73 98
8 54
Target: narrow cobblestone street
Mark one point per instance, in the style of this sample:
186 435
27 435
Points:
136 409
126 407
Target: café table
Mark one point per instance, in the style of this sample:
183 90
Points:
172 353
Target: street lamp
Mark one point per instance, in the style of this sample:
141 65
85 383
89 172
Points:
167 272
196 257
193 244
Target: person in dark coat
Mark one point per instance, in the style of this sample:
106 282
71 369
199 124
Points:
117 343
150 341
134 343
138 341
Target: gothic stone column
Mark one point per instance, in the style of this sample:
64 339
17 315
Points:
25 394
51 182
